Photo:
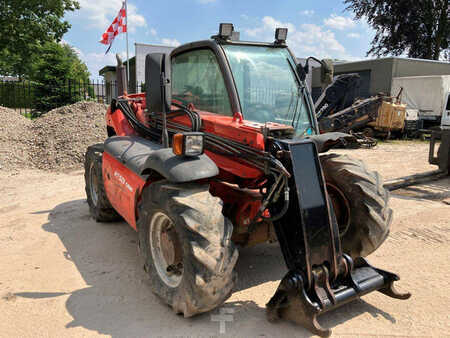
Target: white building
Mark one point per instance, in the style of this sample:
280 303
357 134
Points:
141 50
137 68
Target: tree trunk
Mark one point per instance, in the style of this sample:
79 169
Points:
427 9
442 28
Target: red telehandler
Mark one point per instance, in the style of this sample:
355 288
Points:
222 150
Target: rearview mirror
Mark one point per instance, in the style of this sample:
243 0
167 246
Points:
327 71
157 75
302 71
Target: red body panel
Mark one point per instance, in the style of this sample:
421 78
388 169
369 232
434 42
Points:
242 205
123 188
246 132
119 122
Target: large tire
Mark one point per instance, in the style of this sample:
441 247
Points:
99 205
207 254
369 216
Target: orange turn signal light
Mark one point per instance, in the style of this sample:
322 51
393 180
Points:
177 144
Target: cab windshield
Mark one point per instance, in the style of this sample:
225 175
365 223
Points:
267 86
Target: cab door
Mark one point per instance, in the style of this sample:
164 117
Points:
198 82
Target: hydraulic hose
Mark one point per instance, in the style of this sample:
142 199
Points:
274 192
226 147
285 206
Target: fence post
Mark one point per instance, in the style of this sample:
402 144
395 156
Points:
23 98
30 100
14 91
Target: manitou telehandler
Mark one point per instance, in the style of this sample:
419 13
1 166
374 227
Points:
222 150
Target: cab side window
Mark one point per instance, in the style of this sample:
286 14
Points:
197 79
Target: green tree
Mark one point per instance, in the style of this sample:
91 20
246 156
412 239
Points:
27 24
419 28
61 77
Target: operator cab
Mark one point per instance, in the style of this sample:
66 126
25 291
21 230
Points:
251 81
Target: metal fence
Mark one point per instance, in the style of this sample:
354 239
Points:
27 97
32 99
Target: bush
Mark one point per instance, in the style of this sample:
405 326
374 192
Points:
61 77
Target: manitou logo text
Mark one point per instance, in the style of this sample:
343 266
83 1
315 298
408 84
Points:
122 180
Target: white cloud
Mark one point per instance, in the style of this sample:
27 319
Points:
316 40
151 32
272 23
339 22
170 42
101 13
75 49
304 40
254 31
135 20
269 24
365 25
354 35
78 51
307 12
96 61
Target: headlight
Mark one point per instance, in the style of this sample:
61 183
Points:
281 35
188 144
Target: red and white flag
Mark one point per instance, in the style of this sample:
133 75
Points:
119 25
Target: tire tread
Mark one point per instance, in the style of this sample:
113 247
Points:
371 215
209 257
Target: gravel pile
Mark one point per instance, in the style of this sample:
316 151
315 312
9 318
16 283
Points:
59 139
14 134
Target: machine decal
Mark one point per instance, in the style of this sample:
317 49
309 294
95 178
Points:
122 180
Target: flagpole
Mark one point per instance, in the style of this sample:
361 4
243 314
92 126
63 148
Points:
128 59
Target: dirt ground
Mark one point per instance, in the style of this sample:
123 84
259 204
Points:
63 274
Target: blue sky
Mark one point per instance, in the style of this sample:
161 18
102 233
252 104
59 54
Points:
319 28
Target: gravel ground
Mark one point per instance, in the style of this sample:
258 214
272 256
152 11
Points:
64 275
14 133
395 158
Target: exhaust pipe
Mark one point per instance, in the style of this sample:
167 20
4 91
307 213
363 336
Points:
121 78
